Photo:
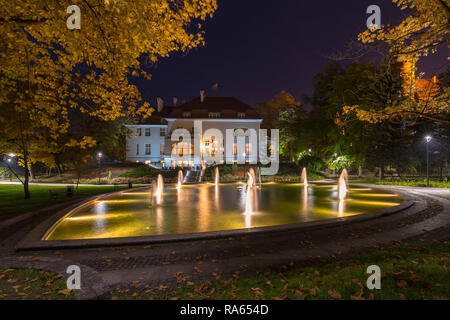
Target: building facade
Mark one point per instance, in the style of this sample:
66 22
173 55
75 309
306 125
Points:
157 141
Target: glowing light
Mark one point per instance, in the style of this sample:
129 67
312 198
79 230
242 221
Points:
12 155
114 201
158 188
374 203
248 200
251 178
96 217
180 179
375 194
343 184
428 138
304 177
216 180
341 208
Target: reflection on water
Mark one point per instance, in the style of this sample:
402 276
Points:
209 207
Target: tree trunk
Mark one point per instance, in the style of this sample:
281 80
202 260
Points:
58 168
30 170
26 181
359 170
381 173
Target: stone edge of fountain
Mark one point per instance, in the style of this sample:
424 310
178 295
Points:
33 240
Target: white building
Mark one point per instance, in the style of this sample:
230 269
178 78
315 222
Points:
151 141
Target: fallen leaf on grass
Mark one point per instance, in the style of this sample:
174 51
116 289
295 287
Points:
334 294
64 292
300 295
258 292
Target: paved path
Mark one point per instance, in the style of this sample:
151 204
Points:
60 184
173 264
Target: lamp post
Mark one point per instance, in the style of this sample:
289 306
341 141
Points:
99 165
10 158
428 139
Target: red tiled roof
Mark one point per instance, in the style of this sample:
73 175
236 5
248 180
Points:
228 107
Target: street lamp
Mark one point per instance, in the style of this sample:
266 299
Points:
99 165
10 158
428 139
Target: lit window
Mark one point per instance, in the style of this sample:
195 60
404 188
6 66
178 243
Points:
248 148
234 149
214 115
161 149
162 132
241 115
147 132
186 114
148 149
137 149
138 132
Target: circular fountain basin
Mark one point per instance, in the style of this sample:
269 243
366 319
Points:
207 208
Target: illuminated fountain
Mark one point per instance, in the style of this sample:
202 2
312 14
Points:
259 176
248 197
304 177
158 188
201 208
343 184
180 179
216 176
251 178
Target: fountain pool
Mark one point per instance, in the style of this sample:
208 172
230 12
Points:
210 207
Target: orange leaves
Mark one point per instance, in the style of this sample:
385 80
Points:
334 294
84 143
49 71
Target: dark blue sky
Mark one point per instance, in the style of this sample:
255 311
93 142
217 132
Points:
256 48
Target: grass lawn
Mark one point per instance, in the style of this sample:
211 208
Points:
12 201
414 271
32 284
408 183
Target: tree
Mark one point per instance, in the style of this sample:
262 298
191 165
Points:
49 70
421 32
270 110
283 112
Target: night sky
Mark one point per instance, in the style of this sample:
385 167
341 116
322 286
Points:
255 48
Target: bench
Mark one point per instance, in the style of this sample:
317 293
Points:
54 193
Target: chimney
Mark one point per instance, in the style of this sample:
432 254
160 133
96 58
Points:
175 101
202 96
160 103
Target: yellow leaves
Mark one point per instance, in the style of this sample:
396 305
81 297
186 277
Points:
135 28
85 143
